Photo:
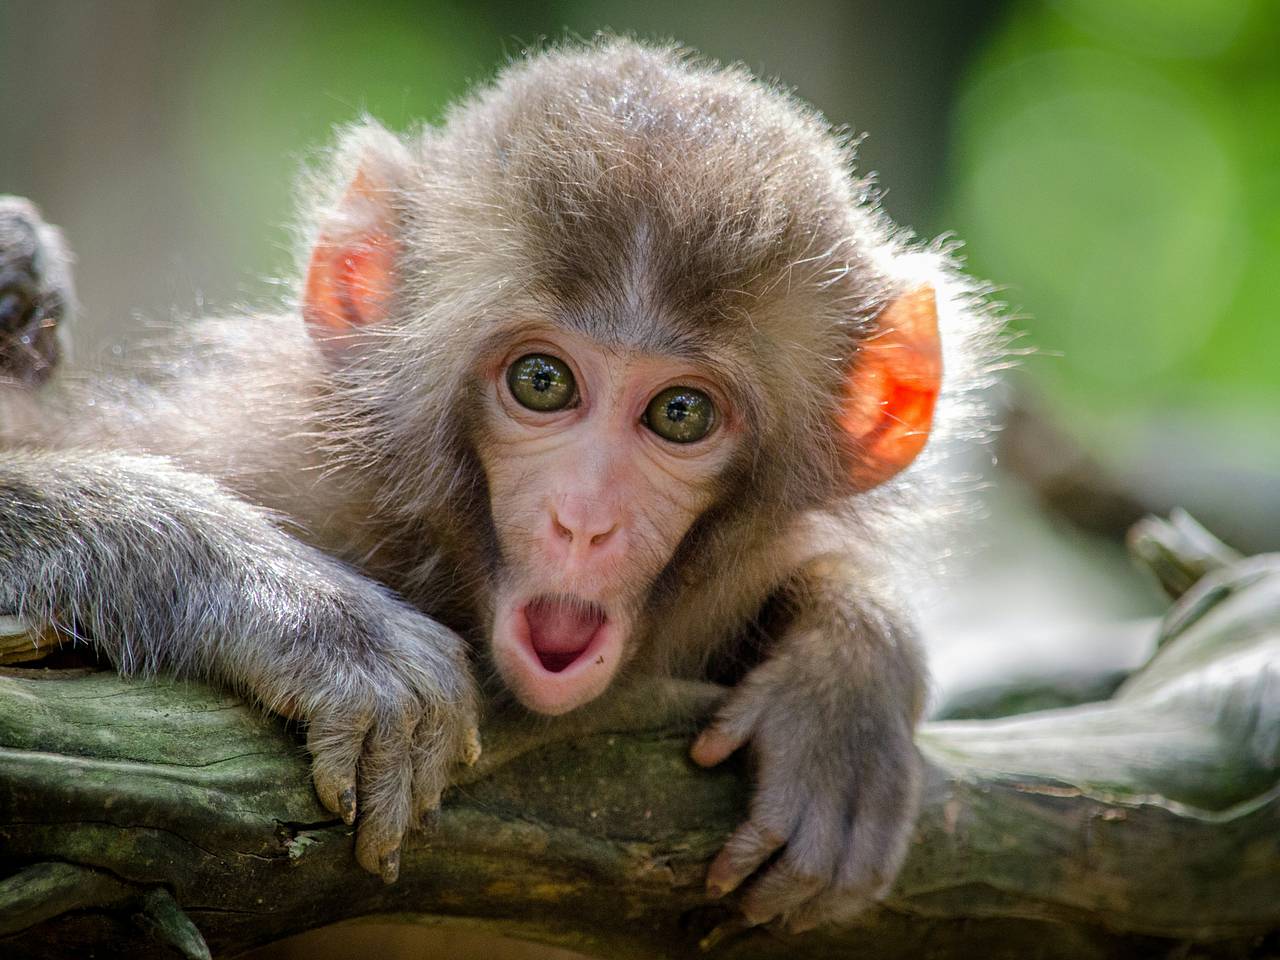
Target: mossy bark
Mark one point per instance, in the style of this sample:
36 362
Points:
139 818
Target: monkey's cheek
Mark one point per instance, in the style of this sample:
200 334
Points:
556 692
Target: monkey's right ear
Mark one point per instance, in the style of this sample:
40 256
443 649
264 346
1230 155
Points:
351 276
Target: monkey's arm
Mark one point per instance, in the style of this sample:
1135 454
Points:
164 570
829 717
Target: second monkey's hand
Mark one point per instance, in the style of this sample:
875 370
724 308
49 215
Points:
837 782
35 294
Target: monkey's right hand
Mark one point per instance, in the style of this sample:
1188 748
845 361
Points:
388 724
168 571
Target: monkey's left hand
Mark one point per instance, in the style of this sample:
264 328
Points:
830 721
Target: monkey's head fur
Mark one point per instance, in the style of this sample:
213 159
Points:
606 224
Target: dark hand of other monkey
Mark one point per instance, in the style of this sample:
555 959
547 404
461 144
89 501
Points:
619 372
35 294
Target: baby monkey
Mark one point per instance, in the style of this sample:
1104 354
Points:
619 372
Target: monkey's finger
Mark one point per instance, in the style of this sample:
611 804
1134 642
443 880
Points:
386 785
864 864
873 849
730 730
782 889
735 722
471 746
751 845
827 908
335 744
434 752
713 745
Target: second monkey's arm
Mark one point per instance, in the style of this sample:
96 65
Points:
829 718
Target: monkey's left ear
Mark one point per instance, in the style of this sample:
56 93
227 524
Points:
351 276
892 388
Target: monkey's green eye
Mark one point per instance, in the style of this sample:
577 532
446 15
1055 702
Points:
542 383
680 414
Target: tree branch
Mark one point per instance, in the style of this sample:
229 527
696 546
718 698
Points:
134 813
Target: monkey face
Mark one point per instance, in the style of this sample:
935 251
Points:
598 461
648 274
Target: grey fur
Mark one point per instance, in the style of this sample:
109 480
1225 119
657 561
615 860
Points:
167 571
630 193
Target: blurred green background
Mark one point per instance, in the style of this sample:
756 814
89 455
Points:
1112 165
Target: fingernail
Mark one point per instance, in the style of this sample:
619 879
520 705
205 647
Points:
715 891
473 748
391 866
720 933
348 802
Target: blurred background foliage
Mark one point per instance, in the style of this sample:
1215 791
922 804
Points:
1117 164
1113 165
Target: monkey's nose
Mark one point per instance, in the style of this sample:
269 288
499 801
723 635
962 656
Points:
583 529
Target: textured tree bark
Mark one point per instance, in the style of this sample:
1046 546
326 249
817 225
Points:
139 818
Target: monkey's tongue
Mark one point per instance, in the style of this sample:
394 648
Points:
560 630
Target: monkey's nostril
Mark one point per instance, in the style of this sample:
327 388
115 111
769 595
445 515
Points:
600 538
561 530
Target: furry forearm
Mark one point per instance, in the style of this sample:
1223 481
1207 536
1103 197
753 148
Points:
830 716
164 570
852 647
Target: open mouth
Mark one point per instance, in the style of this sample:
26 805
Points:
562 629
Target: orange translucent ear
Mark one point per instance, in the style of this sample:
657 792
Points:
892 388
352 271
